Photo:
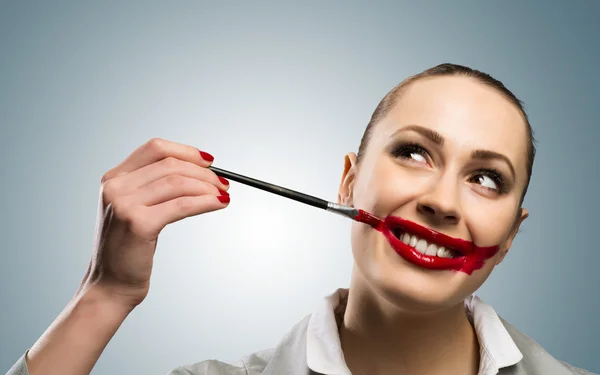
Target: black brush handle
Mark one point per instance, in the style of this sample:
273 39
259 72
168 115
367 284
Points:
271 188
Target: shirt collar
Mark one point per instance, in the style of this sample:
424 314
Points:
324 351
323 347
497 348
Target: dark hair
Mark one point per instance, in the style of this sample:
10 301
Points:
390 99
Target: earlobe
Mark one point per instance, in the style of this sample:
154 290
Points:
348 177
523 214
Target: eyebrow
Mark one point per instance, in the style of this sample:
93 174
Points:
438 139
432 135
490 155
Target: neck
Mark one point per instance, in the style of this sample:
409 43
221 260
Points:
379 338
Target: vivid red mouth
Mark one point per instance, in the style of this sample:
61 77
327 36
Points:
431 249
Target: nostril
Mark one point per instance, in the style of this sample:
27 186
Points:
427 210
438 213
450 218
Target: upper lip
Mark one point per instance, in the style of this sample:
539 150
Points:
457 244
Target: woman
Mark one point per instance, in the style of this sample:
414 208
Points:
446 159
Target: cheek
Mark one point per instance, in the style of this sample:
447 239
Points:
471 283
489 221
385 186
480 276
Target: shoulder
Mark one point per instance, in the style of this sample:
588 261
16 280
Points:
576 370
252 364
536 359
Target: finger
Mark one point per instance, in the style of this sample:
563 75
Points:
183 207
171 187
128 183
157 149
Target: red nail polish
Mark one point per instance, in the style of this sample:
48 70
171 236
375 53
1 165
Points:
223 198
223 181
223 192
206 156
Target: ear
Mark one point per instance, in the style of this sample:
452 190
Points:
524 214
348 178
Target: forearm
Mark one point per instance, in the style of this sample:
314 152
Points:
77 338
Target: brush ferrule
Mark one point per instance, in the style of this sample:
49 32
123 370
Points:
342 210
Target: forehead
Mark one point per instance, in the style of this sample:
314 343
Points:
468 114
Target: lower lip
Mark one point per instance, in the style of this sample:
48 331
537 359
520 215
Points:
465 263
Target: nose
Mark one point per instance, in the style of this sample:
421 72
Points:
440 204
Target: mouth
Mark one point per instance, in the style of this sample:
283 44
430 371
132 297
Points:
423 246
428 248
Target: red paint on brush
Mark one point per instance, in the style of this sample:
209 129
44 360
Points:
471 258
367 218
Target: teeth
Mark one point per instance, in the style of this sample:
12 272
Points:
413 241
431 250
444 253
424 248
421 246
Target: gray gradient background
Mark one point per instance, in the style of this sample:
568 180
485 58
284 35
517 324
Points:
279 92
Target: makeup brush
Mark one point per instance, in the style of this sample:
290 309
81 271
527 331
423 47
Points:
349 212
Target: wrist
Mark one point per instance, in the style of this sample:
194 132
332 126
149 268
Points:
76 339
108 301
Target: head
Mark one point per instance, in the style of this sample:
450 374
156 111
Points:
450 149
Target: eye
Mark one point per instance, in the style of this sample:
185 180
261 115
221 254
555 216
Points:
490 180
411 151
487 182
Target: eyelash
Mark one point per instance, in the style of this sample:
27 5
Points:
405 149
495 175
409 148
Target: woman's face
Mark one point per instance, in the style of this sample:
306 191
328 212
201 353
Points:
450 156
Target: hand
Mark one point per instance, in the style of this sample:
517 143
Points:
160 183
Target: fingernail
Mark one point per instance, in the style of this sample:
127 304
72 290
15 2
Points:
223 192
223 198
223 181
206 156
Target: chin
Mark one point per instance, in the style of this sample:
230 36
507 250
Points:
417 290
411 287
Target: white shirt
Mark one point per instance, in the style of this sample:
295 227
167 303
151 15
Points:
314 344
324 351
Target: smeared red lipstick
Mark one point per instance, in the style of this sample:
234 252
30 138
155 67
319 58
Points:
471 258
